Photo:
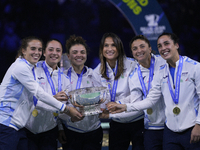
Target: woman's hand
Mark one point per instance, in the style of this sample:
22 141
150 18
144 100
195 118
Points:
62 137
61 96
73 113
116 108
195 135
104 114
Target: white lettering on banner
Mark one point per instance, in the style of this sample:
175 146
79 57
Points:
152 30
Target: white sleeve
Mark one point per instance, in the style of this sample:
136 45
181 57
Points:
24 75
136 95
152 98
197 84
123 115
64 116
43 106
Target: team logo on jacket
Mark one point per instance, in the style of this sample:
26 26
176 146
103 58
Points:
165 77
144 77
161 67
88 82
103 80
184 73
41 83
40 78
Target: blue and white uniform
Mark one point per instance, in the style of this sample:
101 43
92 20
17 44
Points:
46 118
16 95
155 118
122 90
124 126
154 121
189 94
90 126
45 123
16 101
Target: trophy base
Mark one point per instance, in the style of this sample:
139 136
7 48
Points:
90 110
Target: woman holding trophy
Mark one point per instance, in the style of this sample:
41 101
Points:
19 92
140 83
87 133
42 124
113 72
179 83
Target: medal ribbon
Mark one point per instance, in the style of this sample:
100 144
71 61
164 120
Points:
78 84
150 77
114 89
175 96
50 79
34 98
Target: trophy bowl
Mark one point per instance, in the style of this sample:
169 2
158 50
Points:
88 99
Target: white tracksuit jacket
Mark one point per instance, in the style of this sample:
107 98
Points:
122 90
188 97
47 117
16 95
89 123
155 120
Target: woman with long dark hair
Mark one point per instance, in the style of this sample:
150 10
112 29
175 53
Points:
113 72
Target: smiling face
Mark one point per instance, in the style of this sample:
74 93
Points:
77 55
33 52
53 53
167 48
109 50
141 50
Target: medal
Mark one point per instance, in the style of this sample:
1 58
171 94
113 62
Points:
175 95
176 110
34 113
149 111
55 114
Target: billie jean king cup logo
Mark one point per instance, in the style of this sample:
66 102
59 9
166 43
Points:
152 20
89 100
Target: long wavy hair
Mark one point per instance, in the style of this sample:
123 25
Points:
119 46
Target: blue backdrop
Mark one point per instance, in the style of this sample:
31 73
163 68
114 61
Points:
146 17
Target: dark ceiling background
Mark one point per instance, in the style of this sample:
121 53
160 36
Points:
89 19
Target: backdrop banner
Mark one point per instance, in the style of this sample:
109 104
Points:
146 17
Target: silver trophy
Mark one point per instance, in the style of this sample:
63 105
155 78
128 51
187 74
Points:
89 99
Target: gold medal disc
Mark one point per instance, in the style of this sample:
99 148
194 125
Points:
149 111
34 113
176 110
55 114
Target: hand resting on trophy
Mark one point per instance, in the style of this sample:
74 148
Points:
73 113
114 108
61 96
104 114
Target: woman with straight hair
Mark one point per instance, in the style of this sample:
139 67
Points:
113 72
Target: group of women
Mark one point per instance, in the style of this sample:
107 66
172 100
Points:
154 98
